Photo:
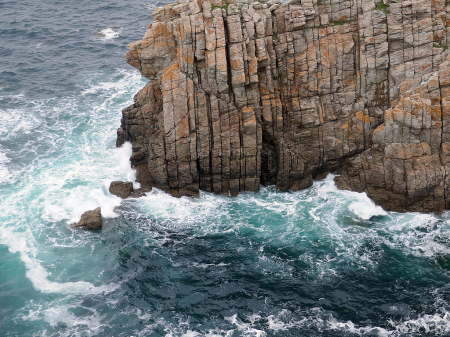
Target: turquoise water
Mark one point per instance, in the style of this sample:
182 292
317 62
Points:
318 262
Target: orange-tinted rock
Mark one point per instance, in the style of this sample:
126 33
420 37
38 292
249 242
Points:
277 93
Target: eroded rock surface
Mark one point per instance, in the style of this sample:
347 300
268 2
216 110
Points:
124 190
91 220
244 94
121 189
407 168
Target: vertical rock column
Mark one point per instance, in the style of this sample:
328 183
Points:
243 94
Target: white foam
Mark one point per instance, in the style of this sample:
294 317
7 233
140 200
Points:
5 175
190 333
438 324
245 328
435 324
88 160
23 243
102 87
89 325
366 209
418 234
60 202
350 327
14 121
326 185
20 119
122 158
185 211
362 206
277 323
58 314
80 199
285 206
108 33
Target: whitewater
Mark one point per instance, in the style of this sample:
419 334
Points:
318 262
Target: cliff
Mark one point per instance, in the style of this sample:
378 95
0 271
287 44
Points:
244 94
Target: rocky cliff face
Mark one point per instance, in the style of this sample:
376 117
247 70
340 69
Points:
244 94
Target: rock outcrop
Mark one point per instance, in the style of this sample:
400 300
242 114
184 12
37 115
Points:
124 190
121 189
244 94
91 220
408 166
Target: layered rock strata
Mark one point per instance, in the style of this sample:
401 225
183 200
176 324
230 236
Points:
244 94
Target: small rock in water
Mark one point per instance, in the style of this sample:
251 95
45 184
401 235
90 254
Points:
90 220
121 189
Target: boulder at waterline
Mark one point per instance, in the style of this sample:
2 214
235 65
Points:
121 189
90 220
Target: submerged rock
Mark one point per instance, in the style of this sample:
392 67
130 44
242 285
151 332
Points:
121 189
90 220
244 94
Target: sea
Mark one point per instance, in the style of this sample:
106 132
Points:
318 262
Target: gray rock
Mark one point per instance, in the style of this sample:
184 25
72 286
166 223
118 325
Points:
90 220
121 189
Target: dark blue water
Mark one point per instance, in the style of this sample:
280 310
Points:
319 262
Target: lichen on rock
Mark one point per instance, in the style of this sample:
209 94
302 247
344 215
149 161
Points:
243 94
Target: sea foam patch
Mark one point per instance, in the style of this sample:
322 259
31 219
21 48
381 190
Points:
361 205
81 167
5 175
75 321
71 174
23 243
245 328
64 197
16 121
108 33
366 209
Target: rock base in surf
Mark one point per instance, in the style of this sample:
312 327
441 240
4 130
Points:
244 94
91 220
125 190
121 189
140 192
